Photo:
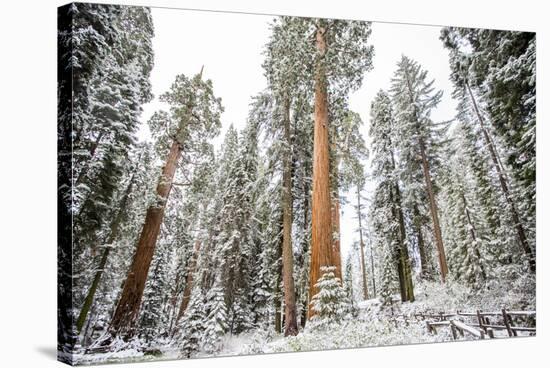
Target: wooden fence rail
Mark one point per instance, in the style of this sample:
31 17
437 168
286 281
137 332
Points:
485 323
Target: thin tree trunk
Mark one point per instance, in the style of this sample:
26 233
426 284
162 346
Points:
504 184
362 246
114 230
189 281
277 291
173 301
424 272
335 214
129 303
291 326
431 196
473 235
305 248
321 221
335 205
93 149
372 269
433 210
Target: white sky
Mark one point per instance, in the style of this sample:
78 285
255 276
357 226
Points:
230 47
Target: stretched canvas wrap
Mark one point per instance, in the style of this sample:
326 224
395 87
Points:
243 184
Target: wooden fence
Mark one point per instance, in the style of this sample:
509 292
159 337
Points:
478 324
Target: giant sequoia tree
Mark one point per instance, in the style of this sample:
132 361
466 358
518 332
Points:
341 58
194 117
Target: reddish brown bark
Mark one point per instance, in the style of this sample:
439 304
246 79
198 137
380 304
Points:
129 303
291 326
189 280
321 221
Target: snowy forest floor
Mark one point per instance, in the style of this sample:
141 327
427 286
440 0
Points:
373 325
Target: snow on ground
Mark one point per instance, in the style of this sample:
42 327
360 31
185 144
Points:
373 326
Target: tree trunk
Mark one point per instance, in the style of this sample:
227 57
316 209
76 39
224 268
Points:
129 303
335 204
291 326
403 262
189 281
504 185
172 308
473 235
277 291
114 230
321 221
431 195
92 150
424 271
362 247
335 215
433 210
372 269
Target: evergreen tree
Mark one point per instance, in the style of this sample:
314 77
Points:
485 84
348 286
341 57
192 325
194 118
413 98
216 321
330 303
465 230
389 223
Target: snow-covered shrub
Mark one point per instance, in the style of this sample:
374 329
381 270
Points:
356 334
258 341
330 304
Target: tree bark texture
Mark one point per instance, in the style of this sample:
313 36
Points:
424 269
129 303
189 280
321 237
291 326
433 211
